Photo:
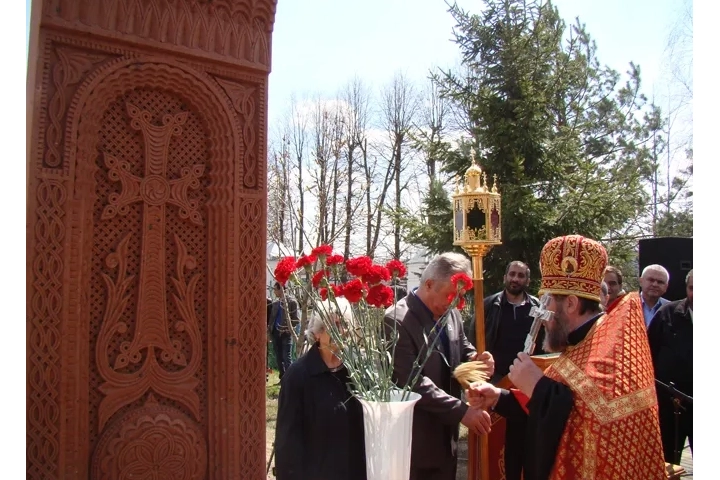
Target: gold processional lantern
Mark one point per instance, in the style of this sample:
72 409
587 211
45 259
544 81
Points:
476 212
477 228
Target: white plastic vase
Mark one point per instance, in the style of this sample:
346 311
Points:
388 436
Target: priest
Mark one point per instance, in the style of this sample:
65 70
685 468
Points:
593 413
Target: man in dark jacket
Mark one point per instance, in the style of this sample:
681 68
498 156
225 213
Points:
279 324
439 412
671 344
508 320
507 324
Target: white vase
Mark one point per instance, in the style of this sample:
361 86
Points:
388 436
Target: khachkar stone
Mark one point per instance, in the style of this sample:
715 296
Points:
146 214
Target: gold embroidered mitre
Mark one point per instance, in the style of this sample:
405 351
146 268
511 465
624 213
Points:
572 265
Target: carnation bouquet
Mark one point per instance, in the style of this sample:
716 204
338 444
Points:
366 347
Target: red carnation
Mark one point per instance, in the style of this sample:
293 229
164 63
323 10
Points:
306 261
380 296
354 290
461 301
396 268
335 260
376 274
462 282
285 267
317 278
358 266
322 250
337 291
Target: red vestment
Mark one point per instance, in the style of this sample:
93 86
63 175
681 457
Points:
613 430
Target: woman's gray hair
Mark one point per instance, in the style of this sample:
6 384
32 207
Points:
443 266
322 310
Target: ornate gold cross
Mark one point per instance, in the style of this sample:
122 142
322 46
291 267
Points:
540 314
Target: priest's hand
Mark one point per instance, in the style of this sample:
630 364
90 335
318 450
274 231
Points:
477 421
482 395
524 374
488 359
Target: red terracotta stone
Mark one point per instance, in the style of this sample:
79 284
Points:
146 238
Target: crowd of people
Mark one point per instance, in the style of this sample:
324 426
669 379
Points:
605 408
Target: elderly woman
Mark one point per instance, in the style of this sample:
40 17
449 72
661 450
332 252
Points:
319 434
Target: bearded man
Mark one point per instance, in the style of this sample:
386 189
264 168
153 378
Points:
593 413
507 319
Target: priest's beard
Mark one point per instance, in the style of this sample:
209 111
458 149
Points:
557 331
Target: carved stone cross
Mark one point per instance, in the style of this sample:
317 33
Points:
151 332
155 191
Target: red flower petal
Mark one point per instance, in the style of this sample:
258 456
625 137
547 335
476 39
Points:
358 266
285 267
462 281
317 278
376 274
322 250
380 296
461 300
306 261
335 260
396 268
354 290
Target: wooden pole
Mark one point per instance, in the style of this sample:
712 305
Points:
478 466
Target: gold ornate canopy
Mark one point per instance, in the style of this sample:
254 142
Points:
476 211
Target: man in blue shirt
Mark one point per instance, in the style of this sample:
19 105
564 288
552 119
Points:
653 285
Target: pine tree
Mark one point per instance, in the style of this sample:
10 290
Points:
567 140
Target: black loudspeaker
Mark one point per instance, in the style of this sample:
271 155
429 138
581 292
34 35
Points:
673 253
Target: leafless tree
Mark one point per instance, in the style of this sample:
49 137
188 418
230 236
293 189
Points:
328 174
399 109
679 75
432 127
279 219
356 102
378 177
298 140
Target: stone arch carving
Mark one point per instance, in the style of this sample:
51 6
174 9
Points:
149 289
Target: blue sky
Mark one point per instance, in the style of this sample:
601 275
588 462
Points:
318 45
